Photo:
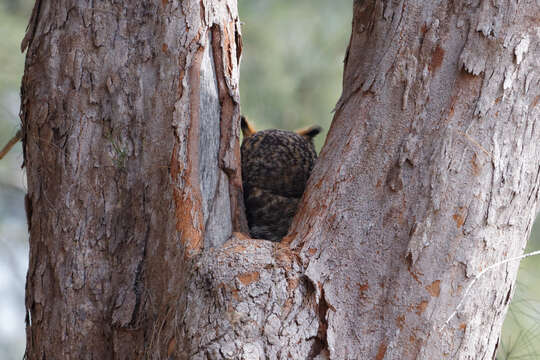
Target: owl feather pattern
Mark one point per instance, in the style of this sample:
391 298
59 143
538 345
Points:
276 165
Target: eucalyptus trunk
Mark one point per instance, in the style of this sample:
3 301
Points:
430 173
131 148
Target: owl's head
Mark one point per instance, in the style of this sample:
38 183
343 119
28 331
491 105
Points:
308 133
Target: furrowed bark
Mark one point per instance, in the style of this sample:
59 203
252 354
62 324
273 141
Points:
429 174
132 163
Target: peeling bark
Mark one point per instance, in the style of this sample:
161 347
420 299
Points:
429 174
130 137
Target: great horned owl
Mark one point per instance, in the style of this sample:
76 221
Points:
276 165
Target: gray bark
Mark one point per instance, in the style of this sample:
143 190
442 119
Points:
131 147
429 174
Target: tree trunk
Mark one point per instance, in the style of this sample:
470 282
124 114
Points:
429 174
131 141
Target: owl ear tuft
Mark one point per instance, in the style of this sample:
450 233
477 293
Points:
247 128
310 132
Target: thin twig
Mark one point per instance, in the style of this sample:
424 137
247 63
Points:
480 274
13 141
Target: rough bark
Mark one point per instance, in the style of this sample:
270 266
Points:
131 147
429 174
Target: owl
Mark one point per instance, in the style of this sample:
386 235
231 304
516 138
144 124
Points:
276 165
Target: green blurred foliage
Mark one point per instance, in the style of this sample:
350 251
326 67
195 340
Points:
13 19
13 230
12 30
292 61
19 8
520 338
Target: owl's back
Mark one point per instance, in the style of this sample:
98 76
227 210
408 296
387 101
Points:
276 165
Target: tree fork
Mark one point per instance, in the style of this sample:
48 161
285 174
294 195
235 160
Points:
429 174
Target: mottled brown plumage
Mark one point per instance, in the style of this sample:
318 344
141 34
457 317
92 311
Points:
276 165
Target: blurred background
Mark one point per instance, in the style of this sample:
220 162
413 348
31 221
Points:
291 77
